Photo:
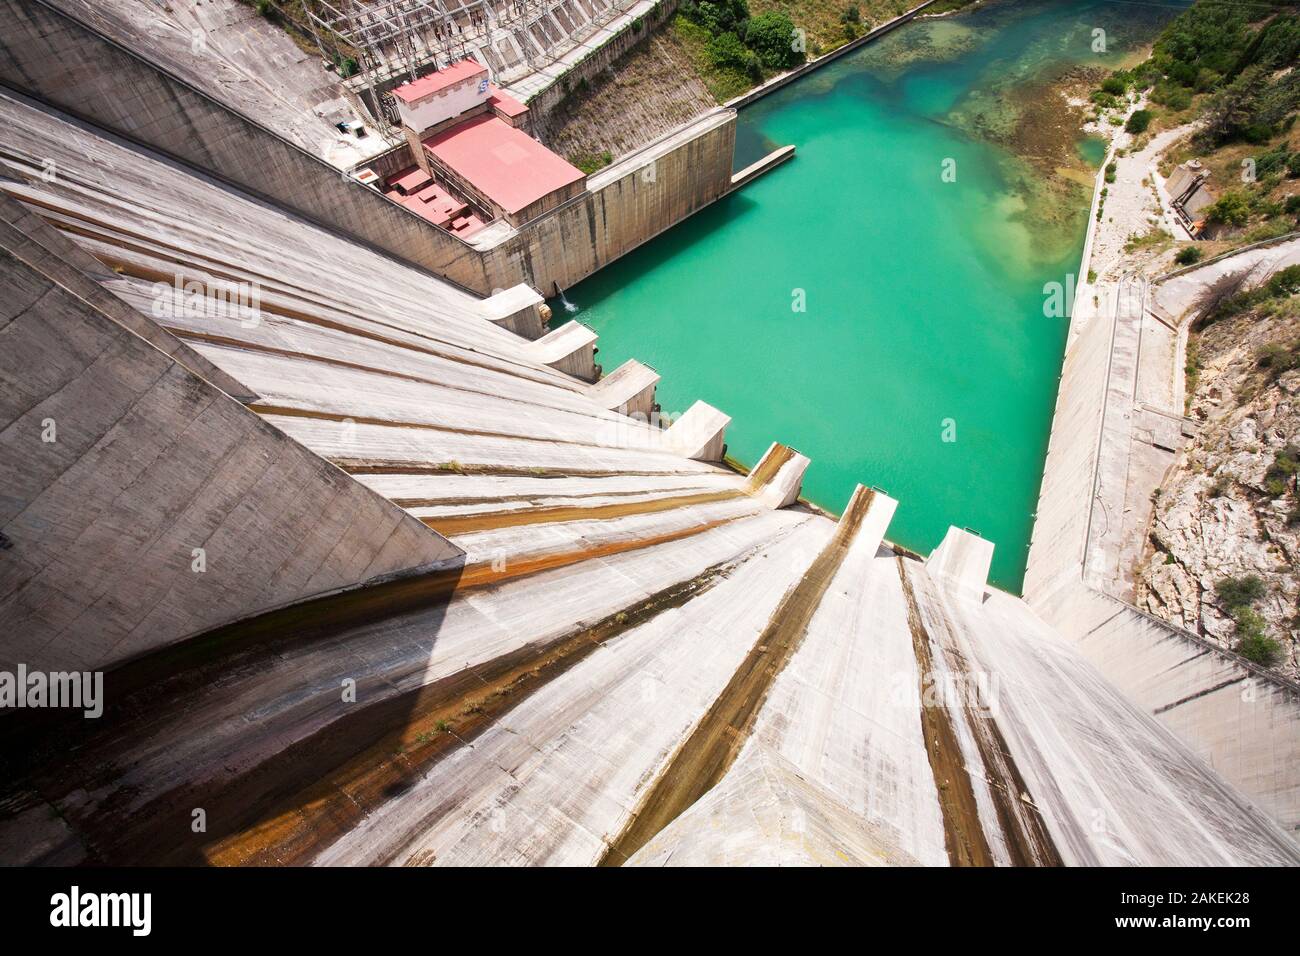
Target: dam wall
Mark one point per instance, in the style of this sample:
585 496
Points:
1237 717
625 205
142 505
1240 719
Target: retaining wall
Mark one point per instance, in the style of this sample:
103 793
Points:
626 204
543 103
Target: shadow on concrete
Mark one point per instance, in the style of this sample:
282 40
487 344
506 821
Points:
51 759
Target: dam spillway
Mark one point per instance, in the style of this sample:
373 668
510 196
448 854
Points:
908 307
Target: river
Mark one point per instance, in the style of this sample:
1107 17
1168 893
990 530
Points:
878 302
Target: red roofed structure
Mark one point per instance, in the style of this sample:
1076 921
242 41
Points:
440 80
506 106
505 169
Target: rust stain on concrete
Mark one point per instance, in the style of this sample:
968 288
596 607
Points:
963 836
706 755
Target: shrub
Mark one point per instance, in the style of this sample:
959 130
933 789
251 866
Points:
1293 166
1114 86
1268 230
1277 359
1272 160
1292 203
718 16
1231 209
1110 171
1284 282
726 50
1172 96
771 37
851 15
1237 593
1281 474
1252 642
1138 121
1189 255
590 162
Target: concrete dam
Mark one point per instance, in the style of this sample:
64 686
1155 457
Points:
378 570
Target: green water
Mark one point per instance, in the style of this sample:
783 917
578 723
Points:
924 299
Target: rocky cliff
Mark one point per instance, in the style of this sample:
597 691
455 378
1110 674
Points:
1229 508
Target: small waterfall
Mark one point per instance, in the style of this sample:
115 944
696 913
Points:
568 306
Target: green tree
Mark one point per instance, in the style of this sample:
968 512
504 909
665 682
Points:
1231 209
718 16
1232 109
1210 34
1138 121
771 36
726 51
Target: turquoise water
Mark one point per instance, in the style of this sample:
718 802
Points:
922 362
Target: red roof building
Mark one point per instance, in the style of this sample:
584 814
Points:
440 80
505 168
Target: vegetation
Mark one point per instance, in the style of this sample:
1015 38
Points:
1229 297
724 82
726 51
1280 477
1235 593
1138 121
1276 358
772 37
1230 65
1232 208
1191 370
736 43
346 66
1238 595
590 162
1189 255
1253 643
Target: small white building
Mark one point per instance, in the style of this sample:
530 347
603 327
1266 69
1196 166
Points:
442 95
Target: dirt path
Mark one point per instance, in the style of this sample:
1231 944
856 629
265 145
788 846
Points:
1132 206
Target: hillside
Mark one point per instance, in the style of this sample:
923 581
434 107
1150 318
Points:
1226 532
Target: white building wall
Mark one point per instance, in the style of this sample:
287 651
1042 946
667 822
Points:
444 104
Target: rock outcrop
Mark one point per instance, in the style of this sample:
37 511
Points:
1225 511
